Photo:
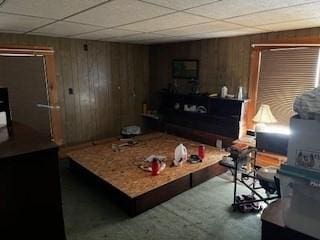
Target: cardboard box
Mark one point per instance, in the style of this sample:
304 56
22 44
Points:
304 144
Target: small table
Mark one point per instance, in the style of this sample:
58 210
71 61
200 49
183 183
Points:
273 226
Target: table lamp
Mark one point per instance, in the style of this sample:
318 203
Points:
263 117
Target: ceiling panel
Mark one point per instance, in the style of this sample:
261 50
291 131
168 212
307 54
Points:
165 39
152 21
280 15
174 20
307 23
201 28
66 29
180 4
231 8
138 37
20 23
105 34
237 32
120 12
10 31
56 9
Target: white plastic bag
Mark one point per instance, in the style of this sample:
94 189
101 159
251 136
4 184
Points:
308 104
180 155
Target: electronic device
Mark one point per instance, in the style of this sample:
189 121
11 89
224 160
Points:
272 142
185 69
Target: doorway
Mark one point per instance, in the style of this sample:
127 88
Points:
25 79
29 75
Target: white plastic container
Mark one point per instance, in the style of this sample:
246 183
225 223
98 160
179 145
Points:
240 93
301 190
224 91
304 144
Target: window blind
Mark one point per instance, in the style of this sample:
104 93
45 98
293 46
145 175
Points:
285 74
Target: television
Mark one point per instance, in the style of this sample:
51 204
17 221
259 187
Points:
185 69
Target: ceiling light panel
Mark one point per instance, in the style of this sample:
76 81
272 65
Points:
55 9
232 8
119 12
174 20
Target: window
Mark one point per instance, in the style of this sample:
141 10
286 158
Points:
285 74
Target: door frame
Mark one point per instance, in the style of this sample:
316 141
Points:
47 53
255 57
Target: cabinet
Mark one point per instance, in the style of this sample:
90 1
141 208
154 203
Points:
223 119
30 194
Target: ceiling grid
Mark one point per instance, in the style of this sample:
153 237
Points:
155 21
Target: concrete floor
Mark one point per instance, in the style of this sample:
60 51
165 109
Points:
201 213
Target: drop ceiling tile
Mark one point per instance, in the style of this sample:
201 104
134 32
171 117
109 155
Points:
45 34
10 31
306 23
231 33
280 15
180 4
174 20
56 9
137 37
232 8
105 33
66 29
169 40
119 12
201 28
19 23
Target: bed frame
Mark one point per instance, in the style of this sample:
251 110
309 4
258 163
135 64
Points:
135 190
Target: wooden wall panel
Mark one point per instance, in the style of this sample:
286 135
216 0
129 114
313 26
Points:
109 81
223 61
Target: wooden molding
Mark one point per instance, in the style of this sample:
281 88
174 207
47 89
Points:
307 40
55 114
256 49
16 49
49 65
253 85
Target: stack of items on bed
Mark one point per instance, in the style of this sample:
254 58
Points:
300 176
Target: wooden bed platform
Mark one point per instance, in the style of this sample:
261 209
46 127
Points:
136 190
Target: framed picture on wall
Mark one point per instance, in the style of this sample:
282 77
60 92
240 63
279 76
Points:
185 69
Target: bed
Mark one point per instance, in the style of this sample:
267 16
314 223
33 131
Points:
134 189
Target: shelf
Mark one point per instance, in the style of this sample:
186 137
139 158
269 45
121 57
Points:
148 115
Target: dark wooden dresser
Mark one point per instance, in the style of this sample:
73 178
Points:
223 119
30 194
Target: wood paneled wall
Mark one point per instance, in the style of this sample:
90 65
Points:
223 61
110 82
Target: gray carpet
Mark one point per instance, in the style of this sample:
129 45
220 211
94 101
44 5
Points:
201 213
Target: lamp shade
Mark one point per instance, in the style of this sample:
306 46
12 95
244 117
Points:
264 115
